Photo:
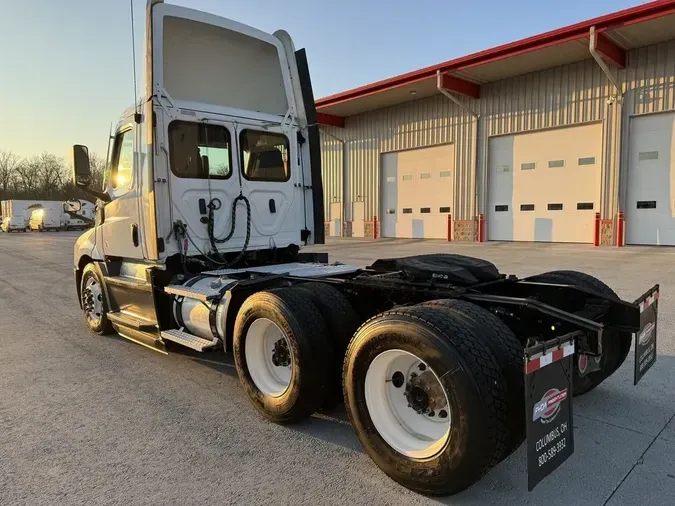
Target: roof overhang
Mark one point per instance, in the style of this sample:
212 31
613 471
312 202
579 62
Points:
615 34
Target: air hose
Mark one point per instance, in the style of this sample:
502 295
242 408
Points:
214 205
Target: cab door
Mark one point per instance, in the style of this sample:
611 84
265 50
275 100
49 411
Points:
120 218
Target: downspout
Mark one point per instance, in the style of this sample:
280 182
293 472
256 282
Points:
617 119
474 154
345 181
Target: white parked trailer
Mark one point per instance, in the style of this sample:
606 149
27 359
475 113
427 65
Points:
48 218
23 208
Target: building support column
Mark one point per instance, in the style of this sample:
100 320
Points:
465 229
606 53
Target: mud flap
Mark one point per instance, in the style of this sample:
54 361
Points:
645 338
548 401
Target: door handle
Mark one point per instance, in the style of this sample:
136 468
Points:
134 233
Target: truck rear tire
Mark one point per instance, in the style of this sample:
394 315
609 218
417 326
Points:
342 321
425 397
282 353
616 345
508 351
94 301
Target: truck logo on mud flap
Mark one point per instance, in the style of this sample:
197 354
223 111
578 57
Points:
646 333
549 405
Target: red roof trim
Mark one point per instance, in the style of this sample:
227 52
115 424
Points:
461 86
330 119
618 19
610 52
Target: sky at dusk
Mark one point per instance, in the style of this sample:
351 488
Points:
66 66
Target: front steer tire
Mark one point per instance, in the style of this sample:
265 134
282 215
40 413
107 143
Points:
309 353
92 276
470 379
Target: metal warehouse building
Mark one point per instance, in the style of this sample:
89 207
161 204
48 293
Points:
568 136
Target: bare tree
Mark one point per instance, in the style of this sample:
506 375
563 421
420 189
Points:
98 168
50 175
44 176
8 163
28 172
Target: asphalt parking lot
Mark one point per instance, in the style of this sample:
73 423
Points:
92 420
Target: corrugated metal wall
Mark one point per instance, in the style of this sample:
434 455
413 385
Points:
332 172
650 78
426 122
572 94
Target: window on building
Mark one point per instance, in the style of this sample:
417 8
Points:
265 156
407 210
528 166
527 207
407 177
444 209
554 164
425 210
584 206
555 207
199 150
446 173
501 208
425 175
588 160
646 204
648 155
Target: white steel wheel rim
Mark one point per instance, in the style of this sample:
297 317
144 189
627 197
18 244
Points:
410 433
262 338
93 301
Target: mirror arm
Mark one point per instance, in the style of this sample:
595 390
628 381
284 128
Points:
98 194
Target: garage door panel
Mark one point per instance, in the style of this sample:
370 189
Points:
554 176
500 191
422 192
389 194
650 202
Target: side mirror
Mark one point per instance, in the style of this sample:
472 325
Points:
81 168
82 173
73 206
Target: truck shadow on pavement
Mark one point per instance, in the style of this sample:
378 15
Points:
331 425
615 422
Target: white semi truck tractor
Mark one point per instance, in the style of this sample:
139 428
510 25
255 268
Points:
443 363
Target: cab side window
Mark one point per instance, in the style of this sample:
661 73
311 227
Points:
121 174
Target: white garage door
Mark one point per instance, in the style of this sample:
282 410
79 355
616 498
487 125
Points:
650 203
545 185
416 192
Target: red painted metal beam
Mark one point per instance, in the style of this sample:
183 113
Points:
330 119
457 85
610 52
